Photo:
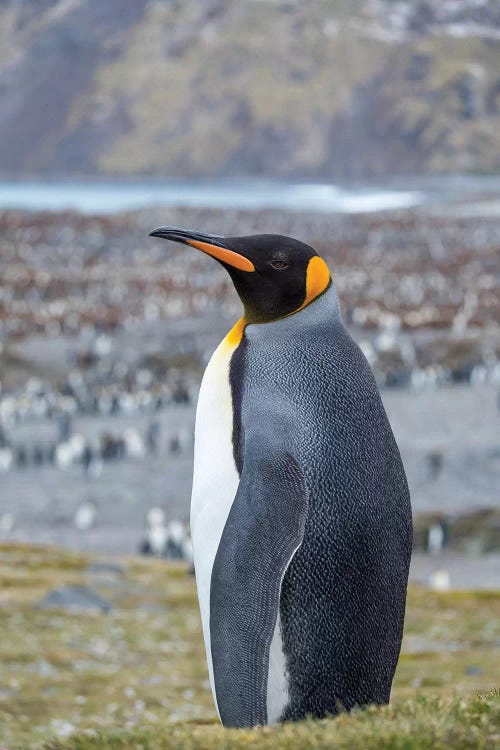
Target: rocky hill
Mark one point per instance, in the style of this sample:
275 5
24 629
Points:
341 89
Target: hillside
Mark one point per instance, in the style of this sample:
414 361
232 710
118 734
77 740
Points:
336 89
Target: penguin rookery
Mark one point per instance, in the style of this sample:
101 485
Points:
300 511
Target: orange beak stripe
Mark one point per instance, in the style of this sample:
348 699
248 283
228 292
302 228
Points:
223 254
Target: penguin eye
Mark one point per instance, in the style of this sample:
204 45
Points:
278 264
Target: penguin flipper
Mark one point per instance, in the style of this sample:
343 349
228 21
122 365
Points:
264 529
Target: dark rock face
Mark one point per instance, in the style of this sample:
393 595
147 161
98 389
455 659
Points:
54 58
205 89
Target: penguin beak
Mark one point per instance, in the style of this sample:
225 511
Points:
211 244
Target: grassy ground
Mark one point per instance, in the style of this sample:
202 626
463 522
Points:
136 676
417 724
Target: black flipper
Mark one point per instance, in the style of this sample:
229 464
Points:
264 529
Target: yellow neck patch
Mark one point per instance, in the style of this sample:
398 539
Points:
235 335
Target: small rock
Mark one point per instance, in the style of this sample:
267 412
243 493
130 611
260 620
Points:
105 567
41 667
155 679
472 670
76 599
62 728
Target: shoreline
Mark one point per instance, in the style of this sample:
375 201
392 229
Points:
88 194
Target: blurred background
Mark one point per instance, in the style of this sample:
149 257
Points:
369 129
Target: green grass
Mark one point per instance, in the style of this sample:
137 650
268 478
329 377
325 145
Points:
417 724
136 677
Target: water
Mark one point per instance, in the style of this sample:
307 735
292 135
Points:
111 197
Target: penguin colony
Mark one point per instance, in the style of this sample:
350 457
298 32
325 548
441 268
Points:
300 512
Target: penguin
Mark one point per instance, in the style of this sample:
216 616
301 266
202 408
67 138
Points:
300 511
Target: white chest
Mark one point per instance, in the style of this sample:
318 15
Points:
215 478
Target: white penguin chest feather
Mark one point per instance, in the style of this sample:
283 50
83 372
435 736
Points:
215 478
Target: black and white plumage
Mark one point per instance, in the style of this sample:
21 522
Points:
300 512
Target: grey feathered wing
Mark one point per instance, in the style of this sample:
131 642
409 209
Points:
264 529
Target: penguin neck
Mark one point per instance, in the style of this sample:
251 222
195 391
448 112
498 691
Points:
323 309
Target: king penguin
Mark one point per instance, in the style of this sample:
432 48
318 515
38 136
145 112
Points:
300 512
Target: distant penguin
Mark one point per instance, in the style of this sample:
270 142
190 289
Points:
155 541
6 458
153 436
85 515
7 523
439 580
300 510
176 534
437 536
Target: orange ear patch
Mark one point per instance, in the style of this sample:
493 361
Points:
317 279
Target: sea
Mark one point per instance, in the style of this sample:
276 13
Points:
107 197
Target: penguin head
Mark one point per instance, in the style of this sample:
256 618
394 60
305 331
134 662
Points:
274 276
